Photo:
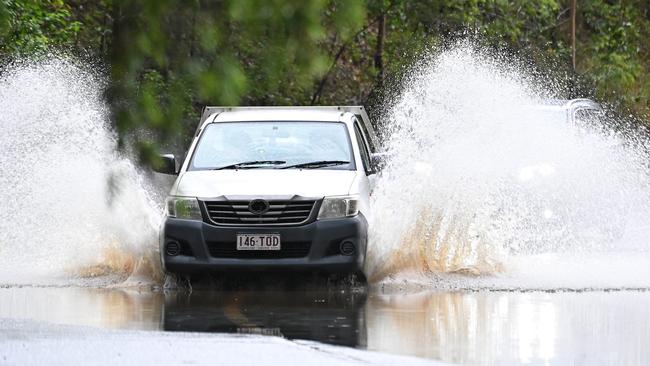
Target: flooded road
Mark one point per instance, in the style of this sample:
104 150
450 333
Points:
527 228
471 328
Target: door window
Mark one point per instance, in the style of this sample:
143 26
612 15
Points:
363 148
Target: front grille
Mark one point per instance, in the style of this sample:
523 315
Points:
280 212
219 249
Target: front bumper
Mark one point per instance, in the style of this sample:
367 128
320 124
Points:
314 246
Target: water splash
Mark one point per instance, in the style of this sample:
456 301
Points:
74 209
485 188
484 180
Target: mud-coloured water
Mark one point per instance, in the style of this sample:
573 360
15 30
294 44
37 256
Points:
468 328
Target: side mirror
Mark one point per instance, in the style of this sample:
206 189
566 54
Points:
378 161
166 164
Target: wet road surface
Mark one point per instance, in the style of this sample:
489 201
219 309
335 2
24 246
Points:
473 328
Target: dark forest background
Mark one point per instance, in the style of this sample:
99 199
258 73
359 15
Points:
165 59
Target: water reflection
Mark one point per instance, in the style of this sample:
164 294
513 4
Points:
106 308
485 328
329 317
471 328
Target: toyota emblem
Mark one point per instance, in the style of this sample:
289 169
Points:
258 206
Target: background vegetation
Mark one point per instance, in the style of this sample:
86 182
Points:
168 58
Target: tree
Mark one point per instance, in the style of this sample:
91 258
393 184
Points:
168 57
28 27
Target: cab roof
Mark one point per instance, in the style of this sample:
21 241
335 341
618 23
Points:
278 114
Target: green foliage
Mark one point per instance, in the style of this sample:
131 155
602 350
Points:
614 49
29 27
168 58
170 54
613 52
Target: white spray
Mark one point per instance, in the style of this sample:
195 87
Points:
486 188
73 208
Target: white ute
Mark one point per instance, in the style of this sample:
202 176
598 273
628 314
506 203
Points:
272 188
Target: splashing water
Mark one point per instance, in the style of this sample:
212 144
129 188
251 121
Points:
74 210
488 188
485 188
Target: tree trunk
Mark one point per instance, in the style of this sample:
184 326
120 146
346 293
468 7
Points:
573 33
379 51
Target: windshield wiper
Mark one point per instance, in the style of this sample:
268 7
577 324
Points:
248 164
316 164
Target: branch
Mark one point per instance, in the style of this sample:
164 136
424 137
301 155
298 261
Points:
339 53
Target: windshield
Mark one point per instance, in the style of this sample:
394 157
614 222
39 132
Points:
272 145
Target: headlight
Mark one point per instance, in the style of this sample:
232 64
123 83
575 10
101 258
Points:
340 206
184 208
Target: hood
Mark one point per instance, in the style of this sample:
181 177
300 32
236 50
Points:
252 182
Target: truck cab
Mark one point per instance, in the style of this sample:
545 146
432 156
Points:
271 188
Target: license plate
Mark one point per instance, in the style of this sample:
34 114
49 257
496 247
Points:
258 241
260 331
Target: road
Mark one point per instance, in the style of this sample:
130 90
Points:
139 326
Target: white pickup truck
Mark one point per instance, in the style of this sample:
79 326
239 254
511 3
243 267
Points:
272 188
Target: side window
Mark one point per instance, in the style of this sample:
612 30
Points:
363 148
365 133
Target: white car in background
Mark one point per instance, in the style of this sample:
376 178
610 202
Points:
272 188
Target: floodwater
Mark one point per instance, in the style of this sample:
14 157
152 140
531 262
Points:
469 328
